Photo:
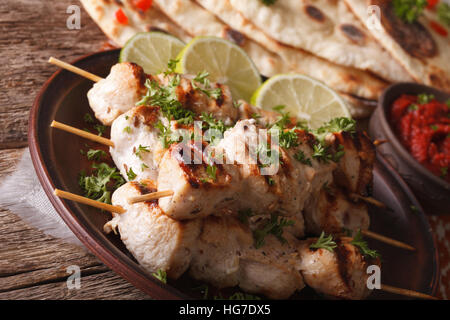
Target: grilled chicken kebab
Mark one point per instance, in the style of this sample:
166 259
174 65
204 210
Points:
203 228
221 251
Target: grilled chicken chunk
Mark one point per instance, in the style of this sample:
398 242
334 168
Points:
137 146
355 168
125 86
200 100
118 92
341 273
155 240
331 211
225 256
197 192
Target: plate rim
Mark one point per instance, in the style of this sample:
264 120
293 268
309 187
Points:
134 273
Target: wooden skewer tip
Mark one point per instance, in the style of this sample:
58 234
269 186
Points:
87 201
387 240
74 69
150 196
81 133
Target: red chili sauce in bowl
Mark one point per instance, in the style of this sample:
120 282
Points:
423 126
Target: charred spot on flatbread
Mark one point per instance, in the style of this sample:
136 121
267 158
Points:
151 28
414 38
314 13
353 33
234 36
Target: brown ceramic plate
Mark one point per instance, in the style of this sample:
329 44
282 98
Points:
57 160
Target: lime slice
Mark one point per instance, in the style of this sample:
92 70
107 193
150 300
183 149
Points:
225 62
307 99
151 50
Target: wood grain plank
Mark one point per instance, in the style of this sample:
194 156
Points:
106 285
30 32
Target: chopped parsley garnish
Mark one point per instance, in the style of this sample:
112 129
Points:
268 2
340 124
100 129
165 134
434 127
131 175
275 227
166 98
363 247
141 149
161 275
211 172
270 181
202 78
143 166
256 116
88 118
443 12
424 98
127 129
98 185
340 152
171 65
300 156
96 154
409 10
236 104
323 242
210 123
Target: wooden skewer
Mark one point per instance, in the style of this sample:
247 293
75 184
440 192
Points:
387 240
406 292
74 69
89 202
370 200
150 196
82 133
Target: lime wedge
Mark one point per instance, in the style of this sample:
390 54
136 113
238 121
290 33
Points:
225 62
306 98
151 50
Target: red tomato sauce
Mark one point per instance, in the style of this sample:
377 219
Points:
423 125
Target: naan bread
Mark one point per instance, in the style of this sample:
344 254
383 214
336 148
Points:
103 13
326 28
423 52
345 79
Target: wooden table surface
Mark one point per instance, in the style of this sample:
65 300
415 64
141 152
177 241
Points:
32 264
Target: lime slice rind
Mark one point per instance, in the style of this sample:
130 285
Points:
225 62
151 50
306 98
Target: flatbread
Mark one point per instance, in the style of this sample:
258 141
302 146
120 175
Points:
326 28
345 79
423 52
103 13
